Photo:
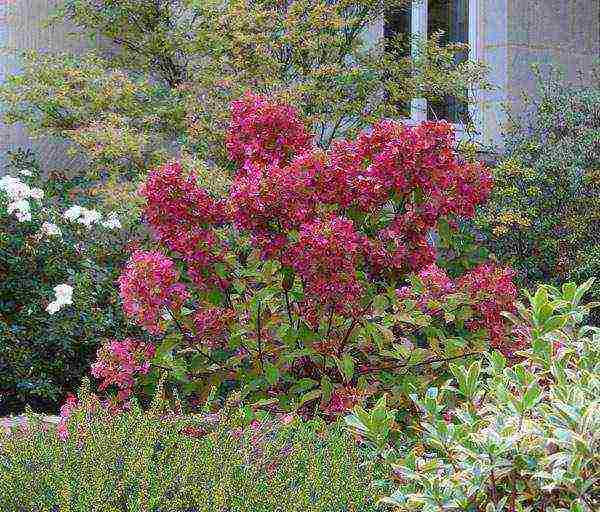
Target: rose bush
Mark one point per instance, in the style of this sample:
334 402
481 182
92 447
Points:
288 288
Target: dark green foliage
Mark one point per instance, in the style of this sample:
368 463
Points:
544 215
141 462
42 356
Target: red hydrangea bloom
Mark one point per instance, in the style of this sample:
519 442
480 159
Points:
264 132
490 291
493 291
149 285
119 363
326 257
437 284
183 216
342 400
71 403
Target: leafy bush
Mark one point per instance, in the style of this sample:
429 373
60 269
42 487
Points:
287 288
159 462
505 439
47 342
542 217
171 69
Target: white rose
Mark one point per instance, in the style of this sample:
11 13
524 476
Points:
112 222
73 213
64 293
50 229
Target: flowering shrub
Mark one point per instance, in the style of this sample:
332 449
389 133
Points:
160 461
489 291
286 289
58 263
504 438
552 159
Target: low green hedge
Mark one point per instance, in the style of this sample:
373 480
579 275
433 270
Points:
145 462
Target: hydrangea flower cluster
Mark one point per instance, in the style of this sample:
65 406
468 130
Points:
183 217
264 132
120 362
489 289
150 287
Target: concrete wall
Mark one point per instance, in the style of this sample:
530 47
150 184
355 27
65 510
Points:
21 28
518 33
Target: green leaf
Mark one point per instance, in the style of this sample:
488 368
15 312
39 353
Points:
346 366
271 374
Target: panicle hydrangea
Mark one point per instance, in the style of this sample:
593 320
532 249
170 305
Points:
118 363
264 132
82 215
326 257
183 216
19 195
493 291
149 285
295 202
490 290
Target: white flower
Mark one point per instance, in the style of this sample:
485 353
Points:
89 217
26 172
73 213
50 229
53 307
36 193
21 210
15 188
64 296
112 222
82 215
64 293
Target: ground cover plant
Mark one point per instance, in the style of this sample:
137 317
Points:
160 462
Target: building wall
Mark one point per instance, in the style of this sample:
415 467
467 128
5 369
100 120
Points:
21 28
519 33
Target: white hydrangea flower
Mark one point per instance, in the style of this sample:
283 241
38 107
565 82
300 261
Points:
50 229
112 221
64 296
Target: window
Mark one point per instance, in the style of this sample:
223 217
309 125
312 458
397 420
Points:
453 17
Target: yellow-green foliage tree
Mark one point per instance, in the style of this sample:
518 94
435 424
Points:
164 73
